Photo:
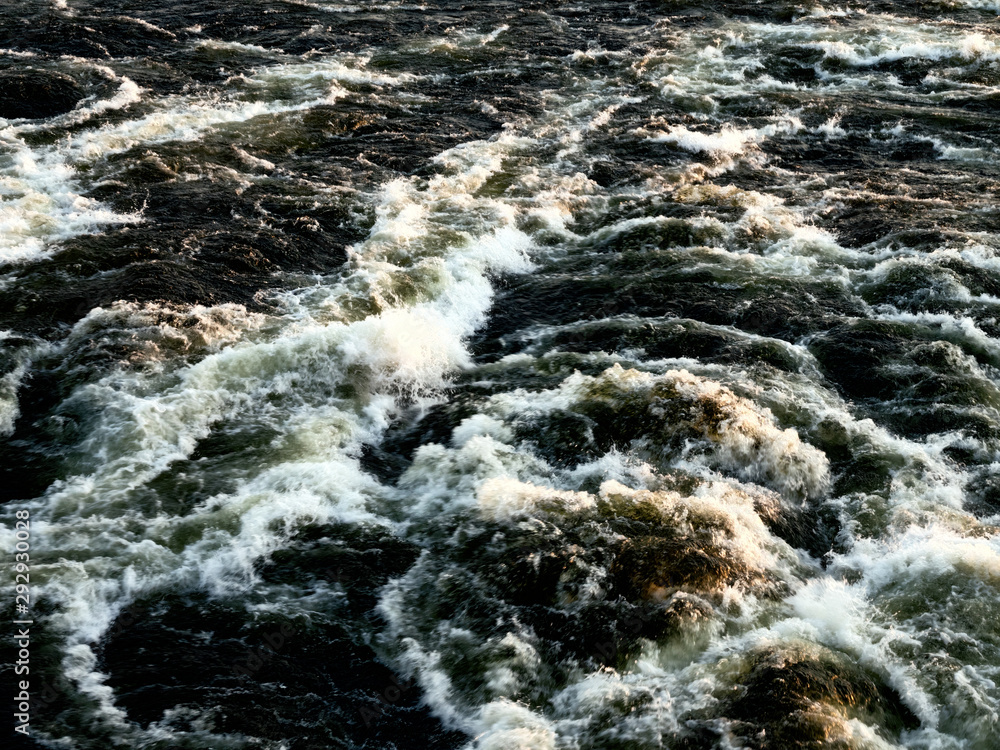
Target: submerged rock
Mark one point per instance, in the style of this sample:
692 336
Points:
792 699
305 679
37 93
664 417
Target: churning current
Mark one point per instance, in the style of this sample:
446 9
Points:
544 375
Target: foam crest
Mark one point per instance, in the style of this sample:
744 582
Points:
610 555
463 39
41 203
153 332
506 498
15 368
925 46
839 51
413 349
922 583
638 540
729 141
504 724
740 436
128 93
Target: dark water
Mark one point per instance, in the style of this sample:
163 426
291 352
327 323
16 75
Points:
504 376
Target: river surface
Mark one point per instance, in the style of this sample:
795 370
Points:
505 376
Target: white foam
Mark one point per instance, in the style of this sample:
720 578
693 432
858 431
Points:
480 425
729 141
831 129
128 93
924 46
278 376
960 327
41 203
458 39
696 71
505 725
157 331
506 498
10 382
983 4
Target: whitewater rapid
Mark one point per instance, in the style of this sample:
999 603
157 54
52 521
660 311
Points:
546 376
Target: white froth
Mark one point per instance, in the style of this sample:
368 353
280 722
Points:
129 92
729 141
41 203
746 440
505 725
480 425
506 498
10 383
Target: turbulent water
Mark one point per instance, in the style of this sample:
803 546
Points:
503 376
